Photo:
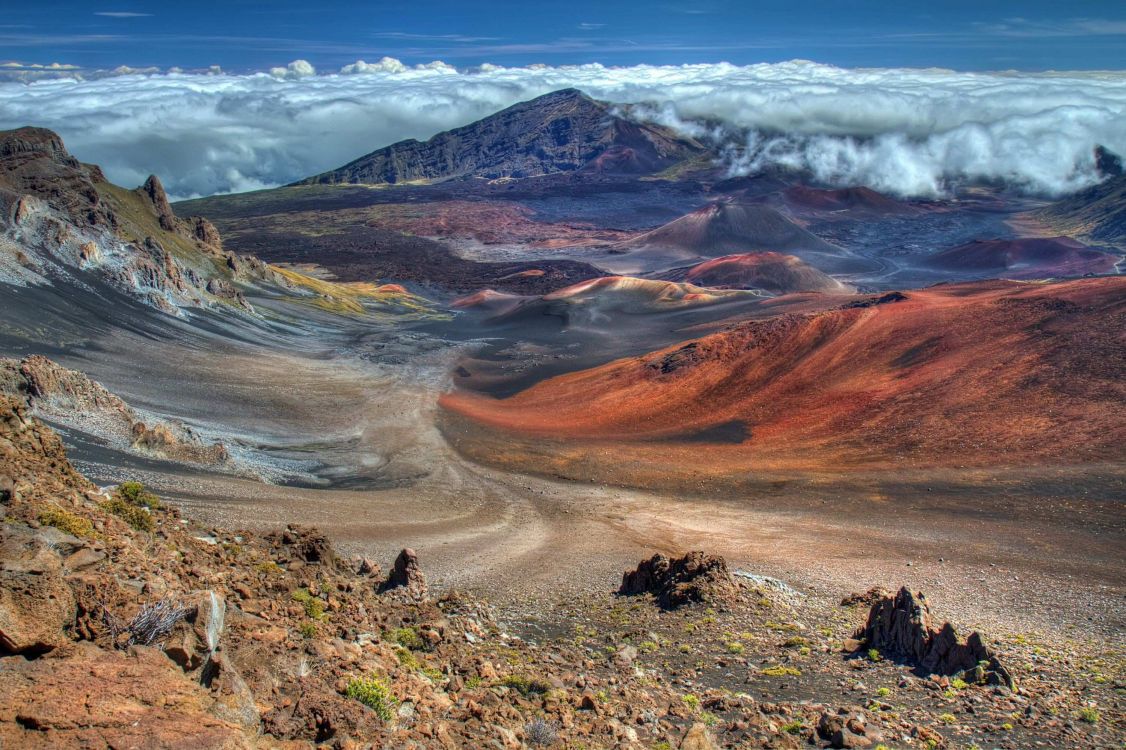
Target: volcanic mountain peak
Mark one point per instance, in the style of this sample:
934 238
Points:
564 131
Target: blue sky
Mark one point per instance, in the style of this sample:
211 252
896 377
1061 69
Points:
252 35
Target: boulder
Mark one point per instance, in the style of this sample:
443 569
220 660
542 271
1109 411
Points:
901 627
36 604
697 738
696 577
94 697
303 543
406 576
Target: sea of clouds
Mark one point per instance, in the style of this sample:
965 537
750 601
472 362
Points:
907 132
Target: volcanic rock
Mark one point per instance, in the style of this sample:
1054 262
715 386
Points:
36 604
407 575
696 577
92 697
869 597
153 189
1107 163
303 543
901 627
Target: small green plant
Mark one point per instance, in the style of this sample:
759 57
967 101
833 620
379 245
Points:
524 685
959 684
883 692
137 516
1007 727
314 606
781 671
662 745
647 647
136 494
793 727
709 719
947 718
874 655
734 647
684 648
374 693
307 629
795 641
692 701
407 638
68 522
1089 714
472 683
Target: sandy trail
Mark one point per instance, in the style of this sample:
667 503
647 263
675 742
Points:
1011 561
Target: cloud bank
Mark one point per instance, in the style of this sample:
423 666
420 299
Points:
909 132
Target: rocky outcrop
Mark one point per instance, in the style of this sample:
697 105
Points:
92 697
153 189
36 604
901 627
302 545
59 217
72 398
406 577
696 577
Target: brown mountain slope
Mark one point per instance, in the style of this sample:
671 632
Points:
985 374
776 273
563 131
731 227
1026 257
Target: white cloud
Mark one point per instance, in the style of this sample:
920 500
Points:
905 131
296 69
385 65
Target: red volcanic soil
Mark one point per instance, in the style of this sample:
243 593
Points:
844 199
984 374
773 272
728 227
488 222
1030 257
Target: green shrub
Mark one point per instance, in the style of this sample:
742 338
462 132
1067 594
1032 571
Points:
883 692
795 641
137 516
793 727
734 647
692 701
947 718
781 671
374 693
307 629
407 638
1089 714
136 494
314 606
525 686
873 655
68 522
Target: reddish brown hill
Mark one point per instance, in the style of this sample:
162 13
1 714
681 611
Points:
773 272
984 374
844 199
1028 257
731 227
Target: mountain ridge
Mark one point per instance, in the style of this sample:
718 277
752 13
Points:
563 131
